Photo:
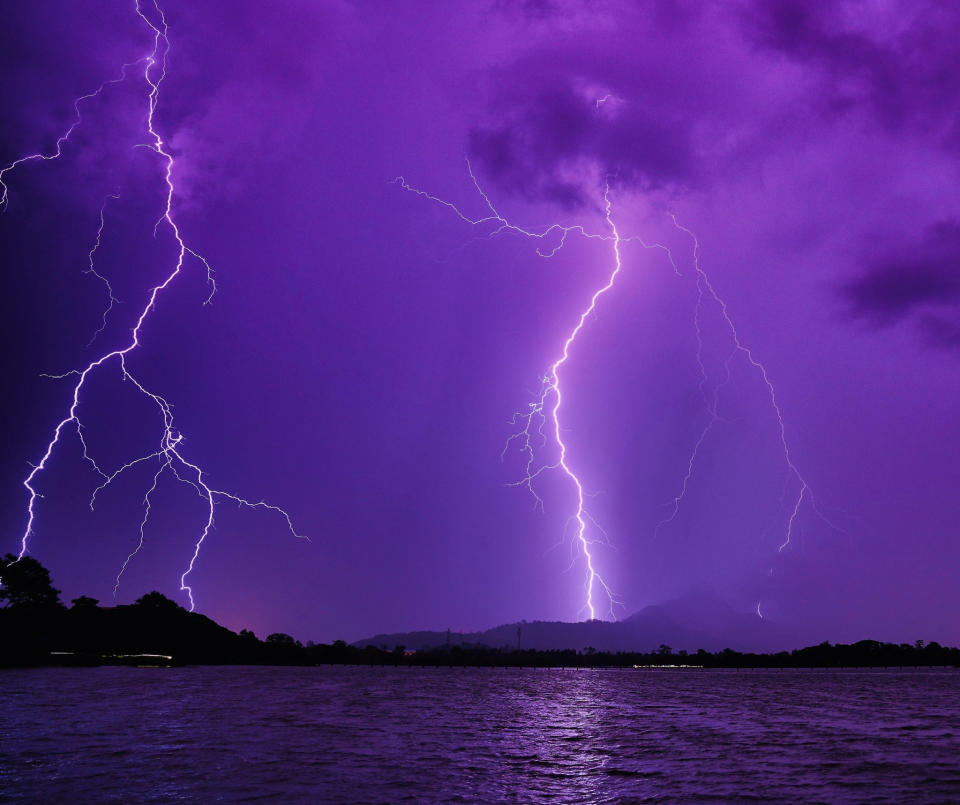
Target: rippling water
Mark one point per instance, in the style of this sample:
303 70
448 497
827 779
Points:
467 735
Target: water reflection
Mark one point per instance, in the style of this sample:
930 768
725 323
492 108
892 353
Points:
466 735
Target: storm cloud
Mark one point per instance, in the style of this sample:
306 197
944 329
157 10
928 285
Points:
919 281
898 63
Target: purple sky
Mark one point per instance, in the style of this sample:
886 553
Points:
366 350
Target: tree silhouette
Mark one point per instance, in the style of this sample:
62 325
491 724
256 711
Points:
26 584
84 602
157 601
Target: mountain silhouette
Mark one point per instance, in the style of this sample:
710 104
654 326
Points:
698 619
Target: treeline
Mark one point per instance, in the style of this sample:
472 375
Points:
37 629
864 654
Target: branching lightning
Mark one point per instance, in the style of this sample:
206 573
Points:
91 269
547 406
544 410
803 489
169 453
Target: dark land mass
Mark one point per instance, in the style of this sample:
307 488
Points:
699 619
36 629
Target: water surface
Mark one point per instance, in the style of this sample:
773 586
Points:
346 734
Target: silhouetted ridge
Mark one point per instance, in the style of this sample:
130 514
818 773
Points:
698 619
37 629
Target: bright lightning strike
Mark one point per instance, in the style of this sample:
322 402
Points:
169 452
545 409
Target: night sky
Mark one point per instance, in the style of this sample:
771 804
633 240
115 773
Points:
366 350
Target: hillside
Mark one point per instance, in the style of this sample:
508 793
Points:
699 619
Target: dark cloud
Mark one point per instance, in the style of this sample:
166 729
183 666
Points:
905 77
544 142
536 9
251 96
941 331
802 30
908 282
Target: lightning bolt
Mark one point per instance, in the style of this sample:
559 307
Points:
705 286
544 410
548 406
65 137
803 492
91 269
169 452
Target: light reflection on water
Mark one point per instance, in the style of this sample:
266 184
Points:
467 735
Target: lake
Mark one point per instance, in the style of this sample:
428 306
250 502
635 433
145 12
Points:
348 734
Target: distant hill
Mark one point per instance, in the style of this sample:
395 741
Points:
36 629
698 619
